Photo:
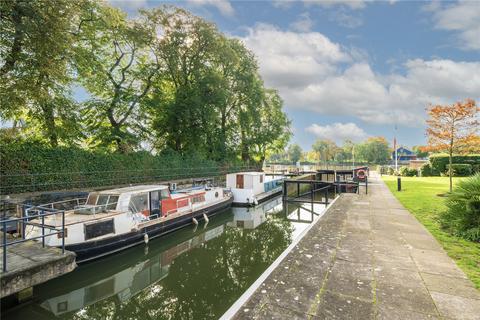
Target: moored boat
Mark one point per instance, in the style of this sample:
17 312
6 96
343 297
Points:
113 220
252 188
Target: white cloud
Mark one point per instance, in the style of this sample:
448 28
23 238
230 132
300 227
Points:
345 20
303 24
338 132
283 4
224 6
290 59
462 17
130 6
313 73
352 4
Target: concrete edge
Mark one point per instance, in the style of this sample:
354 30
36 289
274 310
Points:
254 286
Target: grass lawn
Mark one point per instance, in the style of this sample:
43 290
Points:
419 196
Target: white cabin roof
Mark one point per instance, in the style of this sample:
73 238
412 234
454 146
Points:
255 173
134 189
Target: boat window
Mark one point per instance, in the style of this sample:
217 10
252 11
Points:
197 199
261 178
165 194
92 199
155 202
112 202
138 202
102 199
97 229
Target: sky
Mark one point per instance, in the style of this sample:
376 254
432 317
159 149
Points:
354 69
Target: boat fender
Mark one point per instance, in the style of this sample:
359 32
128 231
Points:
255 201
145 238
195 221
205 217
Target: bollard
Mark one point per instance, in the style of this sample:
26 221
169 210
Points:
399 184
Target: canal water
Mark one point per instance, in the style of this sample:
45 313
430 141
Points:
195 273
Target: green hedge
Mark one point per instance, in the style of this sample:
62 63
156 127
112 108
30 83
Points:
29 167
439 162
460 170
408 172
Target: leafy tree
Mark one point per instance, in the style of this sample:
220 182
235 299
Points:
452 128
345 153
294 153
420 151
326 149
35 75
114 63
212 99
182 102
373 150
264 127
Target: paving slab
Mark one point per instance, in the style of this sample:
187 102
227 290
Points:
367 257
29 264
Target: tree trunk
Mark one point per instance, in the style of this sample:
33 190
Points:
49 120
450 171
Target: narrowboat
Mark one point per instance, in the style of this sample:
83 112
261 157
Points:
252 188
112 220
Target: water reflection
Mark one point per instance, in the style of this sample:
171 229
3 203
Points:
191 274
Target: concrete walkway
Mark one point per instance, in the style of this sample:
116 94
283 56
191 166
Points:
29 264
366 258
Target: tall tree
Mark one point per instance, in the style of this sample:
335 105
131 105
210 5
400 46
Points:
452 128
420 151
294 152
116 63
35 73
374 150
184 115
326 149
264 127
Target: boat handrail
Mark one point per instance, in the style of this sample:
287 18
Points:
51 205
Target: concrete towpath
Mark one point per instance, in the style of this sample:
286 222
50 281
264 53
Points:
366 258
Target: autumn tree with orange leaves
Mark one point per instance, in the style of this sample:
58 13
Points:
452 129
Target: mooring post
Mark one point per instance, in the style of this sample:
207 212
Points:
24 214
43 228
312 186
284 196
326 197
63 232
366 185
399 183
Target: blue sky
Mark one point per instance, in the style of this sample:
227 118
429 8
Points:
353 69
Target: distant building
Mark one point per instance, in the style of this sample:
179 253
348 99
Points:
404 154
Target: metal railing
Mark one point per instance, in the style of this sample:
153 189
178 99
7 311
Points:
25 221
306 190
13 183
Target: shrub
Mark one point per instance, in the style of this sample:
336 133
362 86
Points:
460 170
390 171
462 216
440 162
426 170
408 172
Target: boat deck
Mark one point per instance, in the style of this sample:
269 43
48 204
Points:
73 218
